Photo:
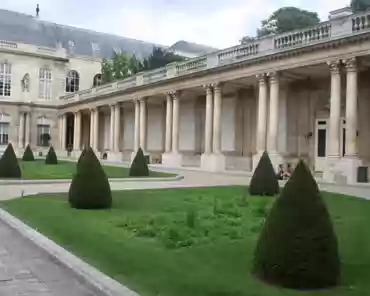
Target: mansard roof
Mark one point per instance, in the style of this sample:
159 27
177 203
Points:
191 47
23 28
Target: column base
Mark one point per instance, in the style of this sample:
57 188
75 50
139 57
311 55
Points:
213 162
342 170
172 160
114 156
76 153
331 171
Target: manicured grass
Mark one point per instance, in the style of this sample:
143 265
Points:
198 242
64 170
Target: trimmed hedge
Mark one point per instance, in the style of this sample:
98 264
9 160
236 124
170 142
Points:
9 167
139 166
90 188
298 247
28 154
264 180
51 157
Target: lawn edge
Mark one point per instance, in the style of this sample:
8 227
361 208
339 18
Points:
90 276
54 181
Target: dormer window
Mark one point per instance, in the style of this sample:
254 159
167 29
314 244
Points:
71 47
95 49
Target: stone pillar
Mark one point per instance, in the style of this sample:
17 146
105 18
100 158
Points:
64 131
168 123
137 126
117 130
272 138
217 113
77 132
111 132
175 123
334 122
143 123
96 130
262 114
92 127
28 128
21 131
208 121
351 107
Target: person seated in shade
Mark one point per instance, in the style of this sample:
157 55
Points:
289 170
280 172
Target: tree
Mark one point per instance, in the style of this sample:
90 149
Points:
160 58
284 20
51 157
117 68
90 187
139 166
9 167
28 154
360 5
264 180
297 247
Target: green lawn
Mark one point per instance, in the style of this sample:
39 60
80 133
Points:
198 242
64 170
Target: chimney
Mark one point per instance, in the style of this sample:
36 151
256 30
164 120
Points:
37 11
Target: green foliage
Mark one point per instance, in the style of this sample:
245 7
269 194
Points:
160 58
9 167
90 187
117 68
264 181
298 247
360 5
28 154
51 157
139 166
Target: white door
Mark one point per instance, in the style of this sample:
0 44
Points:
322 140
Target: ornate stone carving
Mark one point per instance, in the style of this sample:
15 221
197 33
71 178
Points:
334 66
273 76
350 64
261 78
218 87
25 83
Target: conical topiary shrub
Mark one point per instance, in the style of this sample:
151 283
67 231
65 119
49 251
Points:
81 156
28 154
264 180
90 188
139 166
298 247
51 157
9 167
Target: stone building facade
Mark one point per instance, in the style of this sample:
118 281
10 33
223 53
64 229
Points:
303 94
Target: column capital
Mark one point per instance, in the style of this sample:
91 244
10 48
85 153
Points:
143 99
261 78
217 87
350 64
273 77
334 66
175 94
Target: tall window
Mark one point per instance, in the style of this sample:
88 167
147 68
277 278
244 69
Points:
72 81
5 79
45 83
4 133
97 80
43 135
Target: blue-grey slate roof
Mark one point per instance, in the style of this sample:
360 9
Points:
19 27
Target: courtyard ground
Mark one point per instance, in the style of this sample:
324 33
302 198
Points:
196 241
37 170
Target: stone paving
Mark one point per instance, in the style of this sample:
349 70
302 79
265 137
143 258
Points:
25 270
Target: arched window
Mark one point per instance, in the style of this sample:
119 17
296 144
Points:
97 80
5 79
72 81
45 83
4 128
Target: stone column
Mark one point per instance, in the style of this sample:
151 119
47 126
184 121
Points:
351 107
21 131
77 131
175 123
28 128
217 113
137 125
117 125
262 112
64 131
96 130
208 121
272 138
92 127
168 123
143 123
111 132
334 122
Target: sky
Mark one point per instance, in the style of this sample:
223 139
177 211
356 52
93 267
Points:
217 23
